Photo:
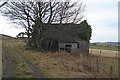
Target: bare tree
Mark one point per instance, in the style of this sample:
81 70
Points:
32 15
47 12
3 3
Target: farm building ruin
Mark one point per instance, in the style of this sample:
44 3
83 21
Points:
71 38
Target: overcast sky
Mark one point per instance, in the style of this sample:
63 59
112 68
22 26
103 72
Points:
102 15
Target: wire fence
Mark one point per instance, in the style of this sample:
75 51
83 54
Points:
105 53
103 65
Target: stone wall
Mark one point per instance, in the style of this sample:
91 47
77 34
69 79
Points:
84 47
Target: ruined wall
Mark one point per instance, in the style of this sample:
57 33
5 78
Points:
84 47
81 47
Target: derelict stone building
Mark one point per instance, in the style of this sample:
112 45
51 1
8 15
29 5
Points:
71 38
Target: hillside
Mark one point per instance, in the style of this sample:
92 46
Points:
107 43
106 46
3 36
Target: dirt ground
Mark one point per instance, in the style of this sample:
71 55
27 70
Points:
106 53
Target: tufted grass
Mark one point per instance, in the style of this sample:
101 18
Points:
64 65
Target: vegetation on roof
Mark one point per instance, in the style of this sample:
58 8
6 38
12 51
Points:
70 32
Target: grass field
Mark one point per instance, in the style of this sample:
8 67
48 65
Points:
105 47
60 65
0 58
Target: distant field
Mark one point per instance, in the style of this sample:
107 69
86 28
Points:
105 53
105 47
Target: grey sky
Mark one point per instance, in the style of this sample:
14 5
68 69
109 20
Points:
102 15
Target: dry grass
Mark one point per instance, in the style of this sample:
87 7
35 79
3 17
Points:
58 65
106 53
63 65
21 69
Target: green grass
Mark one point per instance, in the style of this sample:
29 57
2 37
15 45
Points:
1 68
3 59
21 69
105 47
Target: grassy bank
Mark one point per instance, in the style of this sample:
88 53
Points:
0 58
62 65
20 68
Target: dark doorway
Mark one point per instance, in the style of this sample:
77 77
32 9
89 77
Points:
68 48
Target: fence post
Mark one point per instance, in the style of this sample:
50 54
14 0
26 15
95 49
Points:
111 72
89 60
116 55
100 51
91 51
97 62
